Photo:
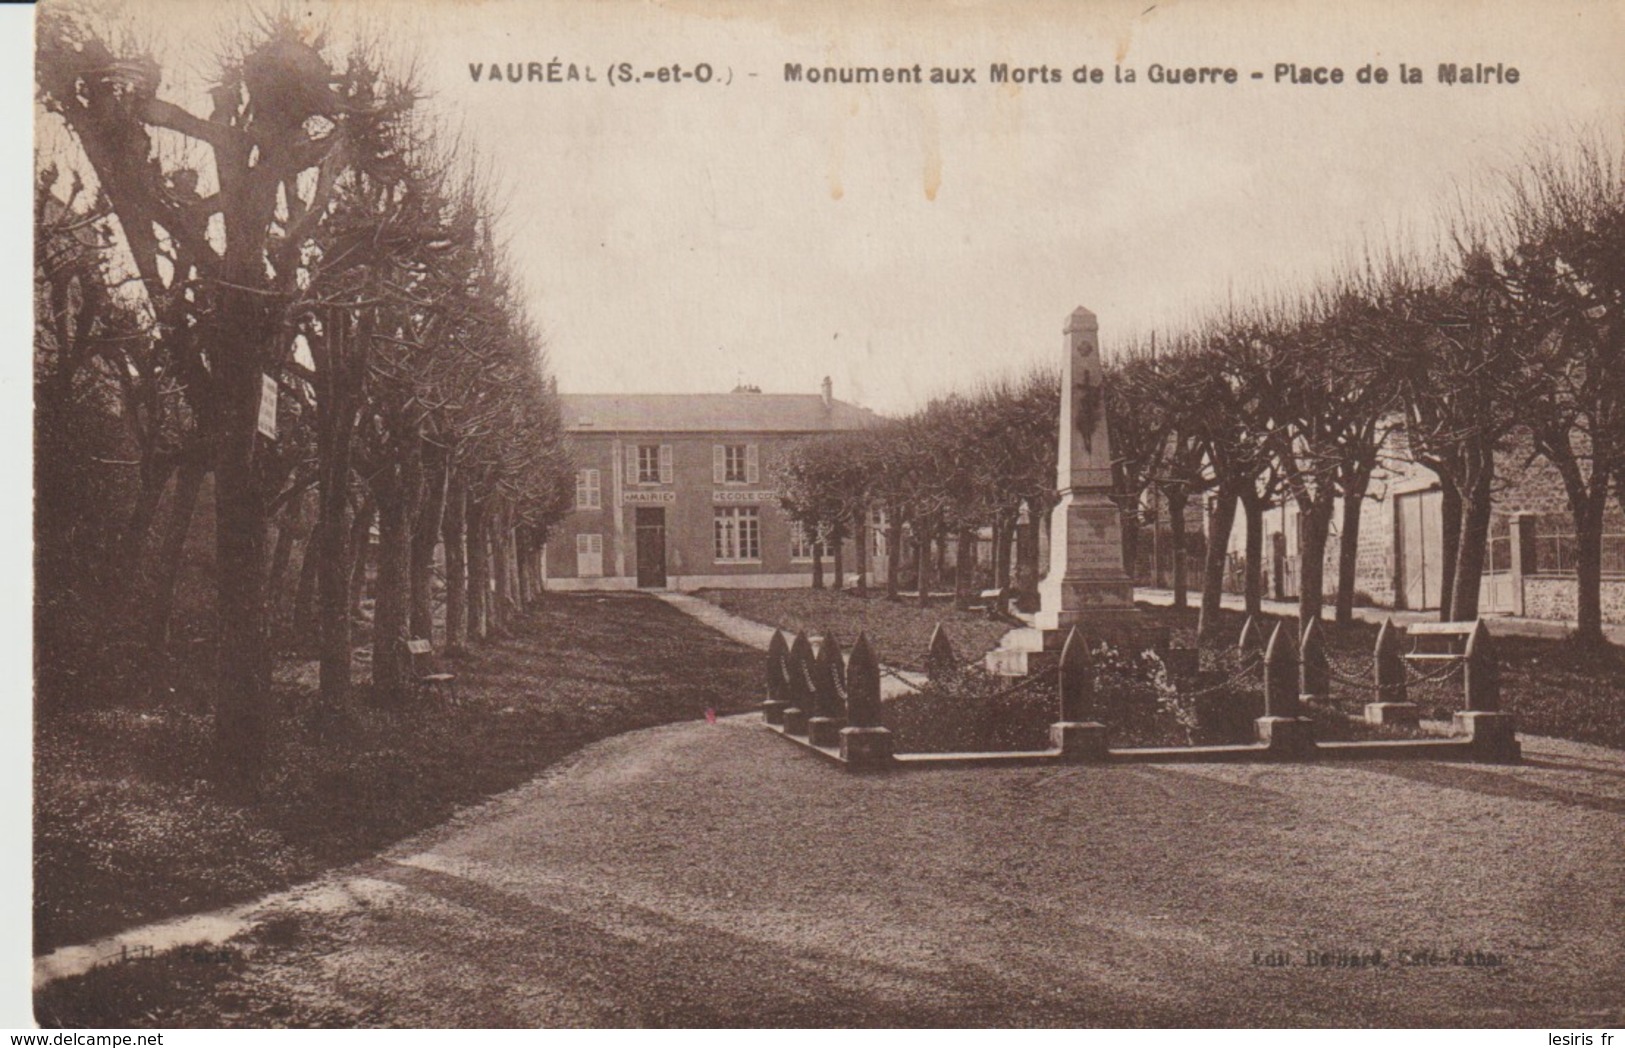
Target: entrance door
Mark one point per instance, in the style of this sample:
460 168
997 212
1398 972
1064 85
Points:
651 549
1420 561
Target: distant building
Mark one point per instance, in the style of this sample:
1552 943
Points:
1529 565
673 490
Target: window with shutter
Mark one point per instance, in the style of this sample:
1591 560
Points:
589 556
589 491
631 464
753 466
665 464
645 467
719 464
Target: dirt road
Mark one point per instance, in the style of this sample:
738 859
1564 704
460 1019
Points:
712 875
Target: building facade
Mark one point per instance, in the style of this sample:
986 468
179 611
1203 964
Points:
1529 563
674 491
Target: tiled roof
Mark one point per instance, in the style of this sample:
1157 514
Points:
709 413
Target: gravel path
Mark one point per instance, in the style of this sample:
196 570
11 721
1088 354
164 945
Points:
705 875
893 682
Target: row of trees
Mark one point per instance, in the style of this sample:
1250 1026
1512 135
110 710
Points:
1508 335
962 463
303 245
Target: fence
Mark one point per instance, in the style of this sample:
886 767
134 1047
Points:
833 707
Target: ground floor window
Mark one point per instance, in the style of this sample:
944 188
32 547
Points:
738 534
589 556
802 545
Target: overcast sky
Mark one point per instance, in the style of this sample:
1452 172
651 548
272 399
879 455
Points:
911 239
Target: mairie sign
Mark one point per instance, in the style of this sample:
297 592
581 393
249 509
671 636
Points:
744 496
644 498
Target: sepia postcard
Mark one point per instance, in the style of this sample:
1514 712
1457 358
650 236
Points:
700 513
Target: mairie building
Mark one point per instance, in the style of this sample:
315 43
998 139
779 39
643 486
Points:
675 490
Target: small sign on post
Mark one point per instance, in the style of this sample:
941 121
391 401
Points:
268 406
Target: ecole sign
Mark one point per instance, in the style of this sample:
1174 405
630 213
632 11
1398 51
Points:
744 496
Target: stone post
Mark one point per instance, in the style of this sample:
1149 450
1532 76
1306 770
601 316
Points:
774 706
1493 732
1523 556
939 654
1078 735
829 703
1251 641
1314 668
865 744
1282 726
798 692
1393 705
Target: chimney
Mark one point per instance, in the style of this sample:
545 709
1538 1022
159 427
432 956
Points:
829 393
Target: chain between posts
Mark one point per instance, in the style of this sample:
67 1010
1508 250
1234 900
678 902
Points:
1225 685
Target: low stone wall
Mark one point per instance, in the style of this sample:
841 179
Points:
1553 597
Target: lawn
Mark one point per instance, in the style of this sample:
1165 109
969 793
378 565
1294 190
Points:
127 830
899 631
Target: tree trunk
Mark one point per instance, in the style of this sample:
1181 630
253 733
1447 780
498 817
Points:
894 551
1252 585
1176 538
818 561
392 598
1159 559
860 550
360 553
241 705
1450 523
479 570
964 567
188 483
1348 548
1588 518
501 566
839 557
126 573
922 558
1221 521
1026 573
281 554
304 628
452 528
1477 503
425 537
1316 519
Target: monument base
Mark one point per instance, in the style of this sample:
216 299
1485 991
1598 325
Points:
1079 740
1493 735
773 711
824 731
865 749
1406 713
795 721
1288 736
1029 650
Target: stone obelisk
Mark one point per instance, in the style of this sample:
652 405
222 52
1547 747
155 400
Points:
1086 585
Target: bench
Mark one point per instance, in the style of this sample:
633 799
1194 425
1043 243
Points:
441 684
1438 641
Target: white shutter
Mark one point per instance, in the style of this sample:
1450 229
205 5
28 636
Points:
753 472
719 464
589 556
665 463
581 490
632 464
